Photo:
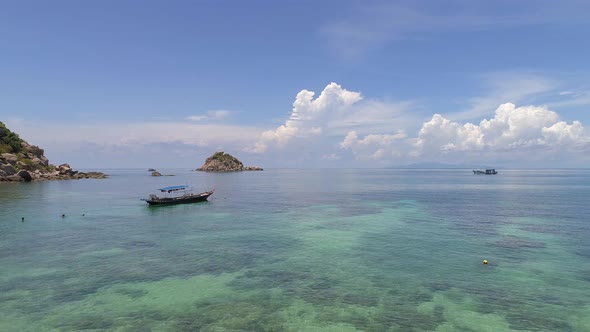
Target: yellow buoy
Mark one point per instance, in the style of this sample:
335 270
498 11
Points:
485 262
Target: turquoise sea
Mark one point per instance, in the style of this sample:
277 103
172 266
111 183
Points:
300 250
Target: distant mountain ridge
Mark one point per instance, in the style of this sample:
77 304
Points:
431 165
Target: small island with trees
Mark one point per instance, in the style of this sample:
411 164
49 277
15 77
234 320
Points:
225 162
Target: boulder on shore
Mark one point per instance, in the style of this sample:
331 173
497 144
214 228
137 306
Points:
25 175
8 169
10 158
225 162
13 178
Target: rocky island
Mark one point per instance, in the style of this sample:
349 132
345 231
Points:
225 162
20 161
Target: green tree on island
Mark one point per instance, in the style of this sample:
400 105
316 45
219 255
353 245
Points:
9 142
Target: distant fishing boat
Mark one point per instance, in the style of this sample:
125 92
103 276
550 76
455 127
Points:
185 196
489 171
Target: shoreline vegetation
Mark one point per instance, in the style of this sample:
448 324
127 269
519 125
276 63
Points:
23 162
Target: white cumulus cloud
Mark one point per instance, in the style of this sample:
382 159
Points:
561 132
374 146
309 115
511 128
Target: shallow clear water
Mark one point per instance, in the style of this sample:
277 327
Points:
300 250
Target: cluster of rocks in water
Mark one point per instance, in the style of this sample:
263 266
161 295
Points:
224 162
29 164
156 173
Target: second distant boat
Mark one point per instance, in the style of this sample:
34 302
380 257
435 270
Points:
489 171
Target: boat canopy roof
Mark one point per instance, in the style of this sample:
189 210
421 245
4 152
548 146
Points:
172 188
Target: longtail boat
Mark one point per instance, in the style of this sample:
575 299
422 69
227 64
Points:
185 196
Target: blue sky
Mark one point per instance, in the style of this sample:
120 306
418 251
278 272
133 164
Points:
167 83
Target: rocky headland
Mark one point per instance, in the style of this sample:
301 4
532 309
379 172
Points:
225 162
20 161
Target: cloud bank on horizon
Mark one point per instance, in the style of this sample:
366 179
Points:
532 131
340 127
